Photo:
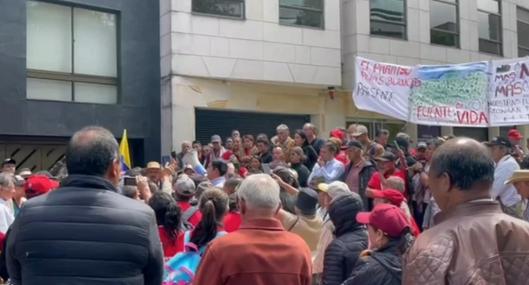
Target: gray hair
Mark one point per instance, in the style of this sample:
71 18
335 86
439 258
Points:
91 151
6 179
396 183
282 127
311 126
260 191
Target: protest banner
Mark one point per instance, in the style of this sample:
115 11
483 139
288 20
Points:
383 87
509 92
451 95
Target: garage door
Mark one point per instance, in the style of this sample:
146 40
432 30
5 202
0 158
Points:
210 122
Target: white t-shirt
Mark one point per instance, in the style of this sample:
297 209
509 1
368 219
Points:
507 193
6 216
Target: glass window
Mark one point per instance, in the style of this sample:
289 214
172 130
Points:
301 13
444 24
49 37
490 28
42 89
388 18
91 28
68 45
225 8
523 32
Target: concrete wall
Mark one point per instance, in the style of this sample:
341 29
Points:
138 110
256 48
178 106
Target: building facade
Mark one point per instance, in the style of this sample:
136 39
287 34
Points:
281 57
71 63
248 65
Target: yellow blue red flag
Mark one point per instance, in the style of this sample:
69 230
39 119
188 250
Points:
124 152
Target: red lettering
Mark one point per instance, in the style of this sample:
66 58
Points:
524 72
472 118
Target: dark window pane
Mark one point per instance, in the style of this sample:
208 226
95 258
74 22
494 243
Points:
479 134
523 34
289 16
443 38
489 26
523 15
523 52
443 16
388 10
388 29
490 47
314 4
491 6
230 8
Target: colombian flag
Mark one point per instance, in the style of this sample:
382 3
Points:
124 153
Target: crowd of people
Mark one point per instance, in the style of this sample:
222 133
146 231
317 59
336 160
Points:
290 209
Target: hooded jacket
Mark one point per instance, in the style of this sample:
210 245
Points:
351 238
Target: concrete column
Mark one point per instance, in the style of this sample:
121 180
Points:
411 130
447 131
525 132
494 132
333 113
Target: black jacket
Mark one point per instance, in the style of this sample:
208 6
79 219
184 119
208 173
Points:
351 239
303 173
84 233
365 175
381 267
312 156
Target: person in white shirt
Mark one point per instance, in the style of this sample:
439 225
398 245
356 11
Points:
506 165
328 169
216 173
7 191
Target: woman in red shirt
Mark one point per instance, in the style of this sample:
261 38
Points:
168 217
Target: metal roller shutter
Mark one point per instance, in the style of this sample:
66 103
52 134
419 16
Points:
210 122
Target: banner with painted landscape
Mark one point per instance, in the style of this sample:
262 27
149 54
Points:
479 94
451 95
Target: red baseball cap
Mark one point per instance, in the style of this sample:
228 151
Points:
339 134
514 134
385 217
392 195
37 185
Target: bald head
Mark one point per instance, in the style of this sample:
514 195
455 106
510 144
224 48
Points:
91 151
466 162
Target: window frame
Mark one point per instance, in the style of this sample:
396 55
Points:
500 42
518 21
222 16
73 77
404 24
458 25
321 27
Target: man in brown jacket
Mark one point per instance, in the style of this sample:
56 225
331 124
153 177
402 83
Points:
473 241
261 252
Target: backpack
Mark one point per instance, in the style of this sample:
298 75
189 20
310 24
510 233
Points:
186 225
181 269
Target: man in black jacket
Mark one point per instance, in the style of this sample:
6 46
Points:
85 232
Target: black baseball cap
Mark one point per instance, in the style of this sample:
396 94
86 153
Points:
9 161
499 141
354 143
386 156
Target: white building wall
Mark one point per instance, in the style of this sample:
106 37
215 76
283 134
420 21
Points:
257 48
